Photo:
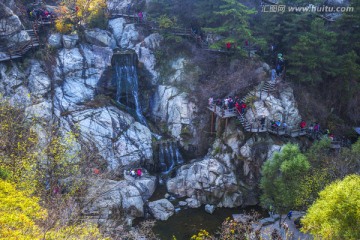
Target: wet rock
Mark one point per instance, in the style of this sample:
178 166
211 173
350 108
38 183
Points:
193 203
182 203
210 208
161 209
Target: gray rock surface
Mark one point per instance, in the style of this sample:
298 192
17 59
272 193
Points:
105 196
117 5
39 81
129 36
193 203
10 22
116 26
55 40
210 208
283 108
100 38
183 203
161 209
79 71
145 51
70 41
116 136
207 181
174 108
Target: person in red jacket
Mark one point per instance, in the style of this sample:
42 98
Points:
243 107
238 107
302 125
228 46
139 173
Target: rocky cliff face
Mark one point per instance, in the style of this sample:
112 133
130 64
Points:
67 96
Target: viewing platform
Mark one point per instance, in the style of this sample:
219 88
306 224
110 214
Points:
223 113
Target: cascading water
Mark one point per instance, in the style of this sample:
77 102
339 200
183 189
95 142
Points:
169 157
127 86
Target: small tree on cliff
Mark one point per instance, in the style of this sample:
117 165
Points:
234 24
72 14
281 176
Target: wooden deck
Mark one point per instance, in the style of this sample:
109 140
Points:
223 113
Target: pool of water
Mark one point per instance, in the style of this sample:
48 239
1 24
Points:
188 222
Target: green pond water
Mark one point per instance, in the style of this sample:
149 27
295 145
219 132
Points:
188 222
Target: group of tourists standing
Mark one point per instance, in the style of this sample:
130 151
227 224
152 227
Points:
229 103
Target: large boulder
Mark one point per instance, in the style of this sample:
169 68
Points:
105 197
161 209
283 108
208 181
100 38
117 5
54 40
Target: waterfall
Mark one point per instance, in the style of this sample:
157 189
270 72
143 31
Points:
169 157
179 159
126 81
162 159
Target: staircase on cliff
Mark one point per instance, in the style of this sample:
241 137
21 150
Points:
20 50
264 88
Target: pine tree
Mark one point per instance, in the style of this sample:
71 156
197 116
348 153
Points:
234 25
312 58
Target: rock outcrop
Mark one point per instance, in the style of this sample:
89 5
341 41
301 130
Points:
107 197
78 71
161 209
208 181
100 38
118 138
283 108
174 108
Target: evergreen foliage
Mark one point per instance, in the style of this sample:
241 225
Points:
281 177
312 58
